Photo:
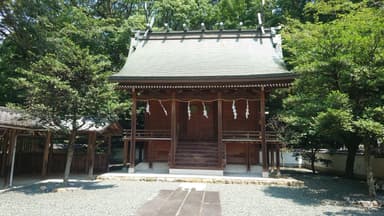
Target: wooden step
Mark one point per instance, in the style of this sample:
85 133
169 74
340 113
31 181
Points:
196 154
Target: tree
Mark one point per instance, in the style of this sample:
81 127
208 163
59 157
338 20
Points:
68 87
340 68
24 28
27 28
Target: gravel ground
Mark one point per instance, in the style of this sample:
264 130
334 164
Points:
322 195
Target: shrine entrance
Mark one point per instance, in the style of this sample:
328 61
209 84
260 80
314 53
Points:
198 121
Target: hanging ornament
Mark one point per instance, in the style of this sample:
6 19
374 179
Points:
162 106
147 108
247 111
189 110
234 110
205 113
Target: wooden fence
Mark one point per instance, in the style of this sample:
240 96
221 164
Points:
31 163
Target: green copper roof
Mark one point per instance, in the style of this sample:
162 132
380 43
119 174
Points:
204 56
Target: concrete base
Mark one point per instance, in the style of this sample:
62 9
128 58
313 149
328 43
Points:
157 167
265 174
131 170
235 168
256 169
196 172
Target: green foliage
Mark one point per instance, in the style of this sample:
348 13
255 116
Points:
177 12
338 57
70 84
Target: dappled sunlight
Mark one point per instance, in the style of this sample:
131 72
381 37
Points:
55 186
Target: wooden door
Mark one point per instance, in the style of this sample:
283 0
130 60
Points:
199 127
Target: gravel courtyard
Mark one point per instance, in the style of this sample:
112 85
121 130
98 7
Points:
322 195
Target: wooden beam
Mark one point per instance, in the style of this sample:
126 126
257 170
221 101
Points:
263 133
173 130
91 147
220 130
46 154
132 156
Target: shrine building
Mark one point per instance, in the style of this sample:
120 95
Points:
204 95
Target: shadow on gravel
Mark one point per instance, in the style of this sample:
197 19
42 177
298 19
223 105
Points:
323 190
318 189
356 213
48 187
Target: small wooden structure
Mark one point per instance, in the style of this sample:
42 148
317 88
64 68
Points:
204 93
13 124
16 127
105 131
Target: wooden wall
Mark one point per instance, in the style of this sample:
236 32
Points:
241 123
237 153
158 151
31 163
157 120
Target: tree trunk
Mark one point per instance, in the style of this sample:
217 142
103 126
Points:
91 146
70 151
313 165
313 159
369 172
350 163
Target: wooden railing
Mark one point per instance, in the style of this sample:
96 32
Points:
149 134
228 136
249 136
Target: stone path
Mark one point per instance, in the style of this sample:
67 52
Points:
187 200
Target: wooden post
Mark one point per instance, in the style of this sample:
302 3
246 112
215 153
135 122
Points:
265 172
92 147
173 130
125 161
46 154
149 154
132 155
220 131
109 144
109 150
8 180
278 159
248 157
88 156
5 153
272 149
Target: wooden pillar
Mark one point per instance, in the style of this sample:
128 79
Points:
92 148
263 133
248 157
109 144
272 156
5 153
109 150
173 130
220 144
149 154
125 161
9 167
278 159
46 154
132 155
